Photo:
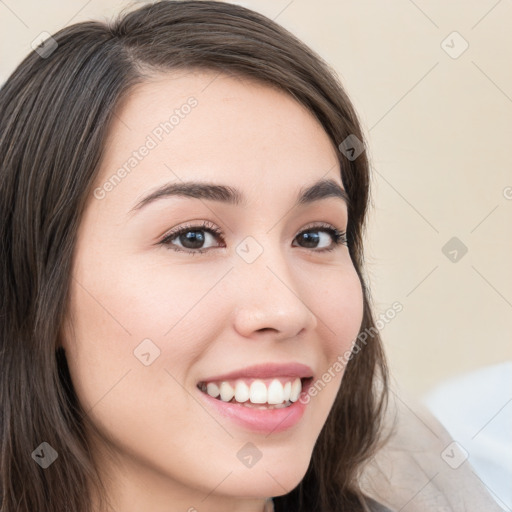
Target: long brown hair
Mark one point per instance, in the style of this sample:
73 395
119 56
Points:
55 113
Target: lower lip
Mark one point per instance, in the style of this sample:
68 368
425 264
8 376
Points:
268 421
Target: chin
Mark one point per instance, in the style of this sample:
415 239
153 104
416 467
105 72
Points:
268 478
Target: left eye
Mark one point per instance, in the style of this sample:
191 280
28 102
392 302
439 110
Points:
313 236
192 238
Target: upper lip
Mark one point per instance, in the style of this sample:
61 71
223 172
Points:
265 371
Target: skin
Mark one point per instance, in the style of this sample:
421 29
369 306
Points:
207 313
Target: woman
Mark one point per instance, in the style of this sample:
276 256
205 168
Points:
185 321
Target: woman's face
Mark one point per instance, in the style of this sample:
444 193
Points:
152 315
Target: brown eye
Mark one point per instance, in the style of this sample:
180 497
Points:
311 238
192 237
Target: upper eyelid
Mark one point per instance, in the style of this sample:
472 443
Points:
319 225
207 226
200 226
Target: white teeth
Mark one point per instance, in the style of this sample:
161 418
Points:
212 389
287 389
226 392
241 392
296 389
258 392
277 394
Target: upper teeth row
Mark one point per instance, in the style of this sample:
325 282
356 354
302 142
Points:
257 392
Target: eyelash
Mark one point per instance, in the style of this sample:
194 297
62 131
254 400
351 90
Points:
339 237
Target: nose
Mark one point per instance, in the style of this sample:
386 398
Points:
270 299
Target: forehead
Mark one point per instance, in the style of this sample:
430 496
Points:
212 126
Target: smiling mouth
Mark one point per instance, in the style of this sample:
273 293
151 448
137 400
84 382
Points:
273 393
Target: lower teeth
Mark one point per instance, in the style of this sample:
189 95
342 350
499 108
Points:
259 406
267 406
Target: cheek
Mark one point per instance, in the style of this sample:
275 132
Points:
123 318
340 311
119 316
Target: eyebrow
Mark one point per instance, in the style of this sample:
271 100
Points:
321 189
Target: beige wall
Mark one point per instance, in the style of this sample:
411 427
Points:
440 132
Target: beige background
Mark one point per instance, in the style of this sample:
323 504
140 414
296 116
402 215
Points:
440 132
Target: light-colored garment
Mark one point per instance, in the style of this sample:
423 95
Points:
476 409
421 468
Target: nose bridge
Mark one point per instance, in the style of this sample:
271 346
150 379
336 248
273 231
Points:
267 293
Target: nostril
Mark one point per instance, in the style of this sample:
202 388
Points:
265 329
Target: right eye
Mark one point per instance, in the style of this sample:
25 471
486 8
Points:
193 244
